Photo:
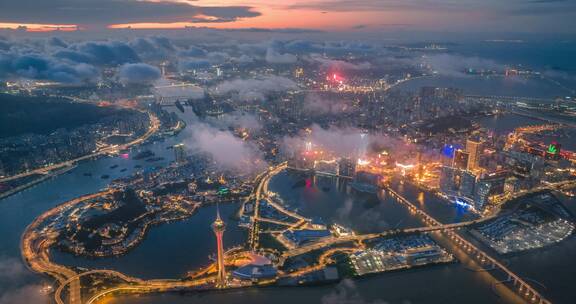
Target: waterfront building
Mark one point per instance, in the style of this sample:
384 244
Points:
482 194
255 272
492 184
461 159
219 227
467 184
473 147
447 179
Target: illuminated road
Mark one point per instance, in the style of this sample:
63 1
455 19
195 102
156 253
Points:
261 187
35 246
154 127
520 286
363 237
36 242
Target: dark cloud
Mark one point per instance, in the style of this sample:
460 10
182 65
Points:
100 53
5 45
75 56
379 5
108 52
58 42
138 73
340 65
302 46
153 48
193 51
279 31
42 67
103 12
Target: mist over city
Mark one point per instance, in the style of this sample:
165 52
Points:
325 151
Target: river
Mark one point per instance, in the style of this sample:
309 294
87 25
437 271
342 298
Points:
171 249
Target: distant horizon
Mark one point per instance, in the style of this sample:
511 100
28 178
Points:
544 16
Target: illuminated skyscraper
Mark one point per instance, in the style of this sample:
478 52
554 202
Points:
219 227
299 72
473 147
461 159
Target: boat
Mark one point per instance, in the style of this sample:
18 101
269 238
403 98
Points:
154 159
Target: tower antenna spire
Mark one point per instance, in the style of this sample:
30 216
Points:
219 227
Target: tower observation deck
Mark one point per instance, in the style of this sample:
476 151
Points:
219 227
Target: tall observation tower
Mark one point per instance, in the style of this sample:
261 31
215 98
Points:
218 226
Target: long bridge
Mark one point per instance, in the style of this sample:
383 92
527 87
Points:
522 288
364 237
257 195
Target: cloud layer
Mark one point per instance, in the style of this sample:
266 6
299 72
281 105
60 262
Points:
228 151
104 12
138 73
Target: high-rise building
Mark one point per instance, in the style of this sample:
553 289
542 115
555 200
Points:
473 147
491 185
219 227
180 153
447 179
482 194
299 72
461 159
467 184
